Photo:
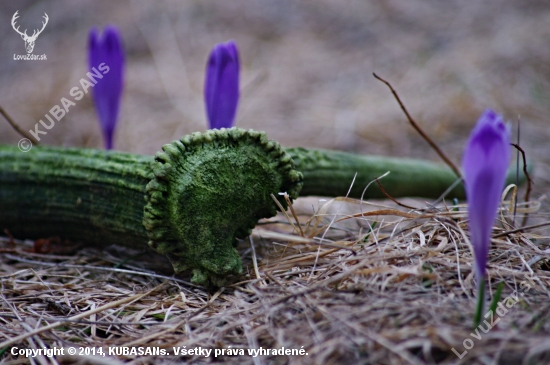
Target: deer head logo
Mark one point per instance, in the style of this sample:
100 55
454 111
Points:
29 41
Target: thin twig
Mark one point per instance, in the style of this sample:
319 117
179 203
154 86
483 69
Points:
520 229
178 325
517 175
297 239
283 211
16 127
289 203
100 268
392 198
254 258
419 130
79 316
529 180
108 323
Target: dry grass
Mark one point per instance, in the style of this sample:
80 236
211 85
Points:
349 281
403 293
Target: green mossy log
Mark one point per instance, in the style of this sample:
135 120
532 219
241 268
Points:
201 193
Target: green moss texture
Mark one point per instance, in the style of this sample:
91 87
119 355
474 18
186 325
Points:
202 193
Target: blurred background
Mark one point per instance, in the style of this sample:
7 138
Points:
306 71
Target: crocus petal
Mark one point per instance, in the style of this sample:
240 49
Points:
485 162
221 87
107 56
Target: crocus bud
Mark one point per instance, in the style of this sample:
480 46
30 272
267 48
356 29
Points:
221 86
485 162
106 59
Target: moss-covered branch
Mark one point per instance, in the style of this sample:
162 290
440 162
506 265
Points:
192 200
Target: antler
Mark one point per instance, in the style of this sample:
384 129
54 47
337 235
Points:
15 16
34 34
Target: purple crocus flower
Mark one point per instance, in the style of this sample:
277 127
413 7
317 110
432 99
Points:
485 162
221 86
106 59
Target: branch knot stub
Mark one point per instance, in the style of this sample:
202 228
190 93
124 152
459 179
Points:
209 189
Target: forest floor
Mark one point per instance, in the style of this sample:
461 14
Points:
395 287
